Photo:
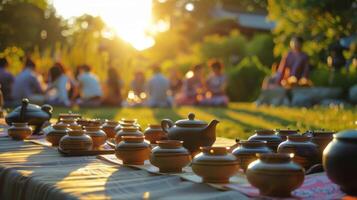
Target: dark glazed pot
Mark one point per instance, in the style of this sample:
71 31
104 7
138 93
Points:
170 156
194 133
215 165
19 131
247 150
340 161
269 136
305 152
275 174
97 134
133 150
32 114
154 133
76 140
321 138
284 133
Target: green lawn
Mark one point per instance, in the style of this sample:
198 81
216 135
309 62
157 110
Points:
239 120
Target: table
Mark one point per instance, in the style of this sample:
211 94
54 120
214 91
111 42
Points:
32 171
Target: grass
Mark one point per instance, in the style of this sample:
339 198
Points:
239 120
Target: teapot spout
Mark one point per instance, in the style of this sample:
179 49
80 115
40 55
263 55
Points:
210 130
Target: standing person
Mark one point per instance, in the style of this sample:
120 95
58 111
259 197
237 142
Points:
58 87
28 84
158 88
193 87
6 81
294 65
216 86
113 88
89 87
175 82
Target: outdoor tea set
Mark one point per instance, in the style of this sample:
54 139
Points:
274 161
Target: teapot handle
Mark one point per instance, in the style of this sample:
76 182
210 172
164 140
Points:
25 102
166 124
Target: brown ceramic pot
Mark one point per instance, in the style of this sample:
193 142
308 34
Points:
275 174
215 165
284 133
247 150
321 138
269 136
76 140
69 116
340 161
133 150
306 153
97 134
127 131
170 156
83 122
56 133
126 123
154 133
72 123
19 131
109 128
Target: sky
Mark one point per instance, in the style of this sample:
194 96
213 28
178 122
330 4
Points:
129 19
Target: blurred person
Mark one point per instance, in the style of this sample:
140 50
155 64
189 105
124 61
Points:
6 81
175 81
89 87
158 88
294 66
216 86
271 81
193 87
28 84
139 83
113 88
58 87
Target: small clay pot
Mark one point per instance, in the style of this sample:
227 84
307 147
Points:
247 150
83 122
339 161
275 174
170 156
269 136
69 116
215 164
284 133
321 138
97 134
19 131
127 123
127 131
57 132
76 140
306 153
72 123
133 150
154 133
109 128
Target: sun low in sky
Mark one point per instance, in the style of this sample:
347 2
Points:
129 19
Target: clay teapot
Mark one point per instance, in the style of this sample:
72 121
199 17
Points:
193 133
33 114
339 161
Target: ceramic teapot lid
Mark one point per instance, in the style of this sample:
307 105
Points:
346 135
30 108
190 122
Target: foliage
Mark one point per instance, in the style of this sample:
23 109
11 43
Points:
245 79
261 45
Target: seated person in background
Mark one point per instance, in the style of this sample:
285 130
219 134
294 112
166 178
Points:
294 66
113 88
89 87
216 86
175 81
6 81
28 84
271 81
193 87
158 88
139 83
58 86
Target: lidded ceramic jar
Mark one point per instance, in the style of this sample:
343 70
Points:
275 174
305 152
126 123
133 150
57 132
321 138
340 161
170 156
19 131
247 150
284 133
127 131
109 128
76 140
154 133
97 134
83 122
69 115
72 123
215 164
269 136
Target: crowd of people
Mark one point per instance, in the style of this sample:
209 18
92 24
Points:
83 88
